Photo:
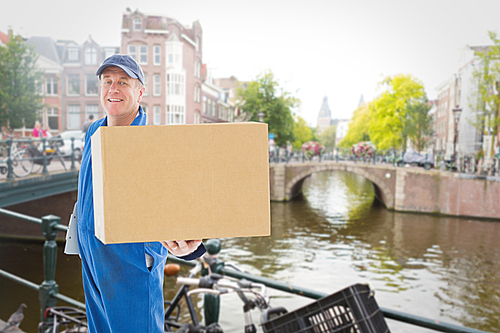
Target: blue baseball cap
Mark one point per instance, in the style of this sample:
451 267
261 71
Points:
125 62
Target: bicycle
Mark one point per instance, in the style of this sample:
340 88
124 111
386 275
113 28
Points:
52 151
20 160
352 309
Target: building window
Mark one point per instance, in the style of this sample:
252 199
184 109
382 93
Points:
91 85
175 84
157 115
137 24
197 69
53 118
204 104
73 85
145 85
174 54
143 55
90 56
175 114
92 109
156 85
74 116
132 51
51 87
108 52
157 55
213 108
73 54
197 117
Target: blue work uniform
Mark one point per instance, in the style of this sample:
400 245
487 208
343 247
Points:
122 294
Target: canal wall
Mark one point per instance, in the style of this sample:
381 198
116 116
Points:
447 193
402 189
60 205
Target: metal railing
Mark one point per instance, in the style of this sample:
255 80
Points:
22 157
49 290
462 163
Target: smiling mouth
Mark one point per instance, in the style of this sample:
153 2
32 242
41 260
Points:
112 100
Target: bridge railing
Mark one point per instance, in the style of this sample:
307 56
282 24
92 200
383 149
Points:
463 163
49 290
23 157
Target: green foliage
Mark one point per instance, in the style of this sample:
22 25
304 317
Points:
19 97
327 138
420 125
264 94
390 119
301 132
486 77
359 126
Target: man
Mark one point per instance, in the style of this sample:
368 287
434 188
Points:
123 283
87 124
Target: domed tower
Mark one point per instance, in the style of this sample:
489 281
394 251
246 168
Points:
324 116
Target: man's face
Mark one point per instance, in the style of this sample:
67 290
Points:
120 94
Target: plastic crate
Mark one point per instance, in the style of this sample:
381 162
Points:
351 310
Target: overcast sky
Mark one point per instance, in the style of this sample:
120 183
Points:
315 48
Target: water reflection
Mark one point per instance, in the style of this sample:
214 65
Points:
442 268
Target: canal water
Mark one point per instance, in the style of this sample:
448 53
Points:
443 268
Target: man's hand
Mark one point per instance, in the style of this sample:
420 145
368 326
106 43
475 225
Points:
181 248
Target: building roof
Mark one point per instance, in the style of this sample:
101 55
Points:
3 38
324 112
361 100
46 47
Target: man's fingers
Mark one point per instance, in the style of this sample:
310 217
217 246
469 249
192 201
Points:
172 245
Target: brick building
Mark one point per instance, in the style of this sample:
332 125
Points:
49 62
80 86
170 55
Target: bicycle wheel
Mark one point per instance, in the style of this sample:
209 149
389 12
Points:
22 163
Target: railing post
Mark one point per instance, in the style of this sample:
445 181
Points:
44 147
49 287
72 154
10 174
212 302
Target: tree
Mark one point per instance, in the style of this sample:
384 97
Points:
19 79
487 78
264 95
390 123
327 137
420 125
301 132
359 126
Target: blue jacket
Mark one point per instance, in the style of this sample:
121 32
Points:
121 293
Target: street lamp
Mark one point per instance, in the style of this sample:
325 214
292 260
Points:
261 116
456 116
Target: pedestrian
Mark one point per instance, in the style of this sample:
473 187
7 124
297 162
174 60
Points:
37 130
123 283
87 123
46 132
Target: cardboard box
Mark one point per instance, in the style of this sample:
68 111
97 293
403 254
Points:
180 182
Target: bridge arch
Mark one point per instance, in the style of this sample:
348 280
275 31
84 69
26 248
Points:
383 184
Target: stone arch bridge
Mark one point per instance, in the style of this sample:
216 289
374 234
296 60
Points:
401 188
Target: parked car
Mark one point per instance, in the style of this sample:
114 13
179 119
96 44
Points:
65 145
416 159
